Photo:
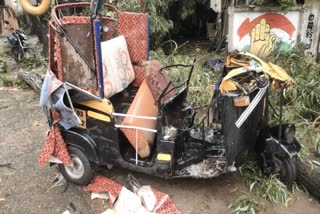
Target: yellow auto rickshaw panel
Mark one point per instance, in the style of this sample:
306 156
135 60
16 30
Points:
164 157
104 106
98 116
82 116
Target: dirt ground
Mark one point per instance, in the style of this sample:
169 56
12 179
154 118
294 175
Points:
26 188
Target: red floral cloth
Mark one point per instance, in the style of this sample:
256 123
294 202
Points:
164 204
134 27
54 146
157 81
139 73
103 184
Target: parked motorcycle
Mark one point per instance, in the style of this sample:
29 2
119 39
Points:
20 48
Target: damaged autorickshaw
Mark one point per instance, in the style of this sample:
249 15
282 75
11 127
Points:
109 105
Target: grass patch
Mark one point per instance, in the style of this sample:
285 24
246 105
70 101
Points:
303 98
246 204
270 188
3 66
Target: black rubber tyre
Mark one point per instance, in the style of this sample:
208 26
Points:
288 170
81 172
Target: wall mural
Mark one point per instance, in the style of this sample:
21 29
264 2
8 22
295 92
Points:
258 33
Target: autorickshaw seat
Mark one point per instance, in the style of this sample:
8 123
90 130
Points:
144 104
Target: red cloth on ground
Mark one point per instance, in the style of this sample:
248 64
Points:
103 184
164 204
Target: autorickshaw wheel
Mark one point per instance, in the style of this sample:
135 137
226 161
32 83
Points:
81 171
288 171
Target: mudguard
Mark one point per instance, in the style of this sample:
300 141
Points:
282 149
83 142
269 143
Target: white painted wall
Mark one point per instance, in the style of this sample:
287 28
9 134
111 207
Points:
305 19
216 5
310 29
15 5
245 29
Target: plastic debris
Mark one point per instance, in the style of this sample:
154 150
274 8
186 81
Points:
128 203
147 197
101 195
141 200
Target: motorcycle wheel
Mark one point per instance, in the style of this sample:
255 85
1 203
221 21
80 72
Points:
286 169
81 171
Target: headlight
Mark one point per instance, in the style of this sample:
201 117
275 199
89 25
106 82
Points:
290 133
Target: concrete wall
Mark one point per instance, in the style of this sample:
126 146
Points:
310 29
259 29
15 5
216 5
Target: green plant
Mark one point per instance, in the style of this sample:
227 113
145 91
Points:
3 66
202 80
7 80
317 143
246 204
284 4
270 188
160 22
302 100
165 15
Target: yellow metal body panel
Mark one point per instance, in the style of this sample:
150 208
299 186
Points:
82 116
104 106
98 116
164 157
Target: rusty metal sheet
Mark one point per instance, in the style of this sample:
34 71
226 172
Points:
75 70
9 15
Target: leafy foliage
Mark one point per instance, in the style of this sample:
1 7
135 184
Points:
285 4
270 188
202 80
160 23
3 66
162 14
303 98
246 204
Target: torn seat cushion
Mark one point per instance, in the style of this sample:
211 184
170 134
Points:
118 72
142 105
158 81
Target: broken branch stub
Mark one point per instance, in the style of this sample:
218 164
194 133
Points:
32 79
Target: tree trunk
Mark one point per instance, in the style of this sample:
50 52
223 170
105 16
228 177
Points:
33 79
39 27
309 175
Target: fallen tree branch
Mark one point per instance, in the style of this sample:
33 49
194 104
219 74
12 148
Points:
309 175
31 78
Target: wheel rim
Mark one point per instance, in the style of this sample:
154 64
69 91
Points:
76 170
